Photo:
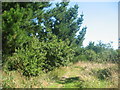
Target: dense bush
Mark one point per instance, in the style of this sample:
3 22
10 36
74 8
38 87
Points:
85 55
107 55
38 56
118 52
90 55
58 54
100 52
79 54
29 59
37 39
103 74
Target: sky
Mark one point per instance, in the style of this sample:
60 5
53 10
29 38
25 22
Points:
101 19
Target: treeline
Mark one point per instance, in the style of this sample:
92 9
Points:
100 52
38 37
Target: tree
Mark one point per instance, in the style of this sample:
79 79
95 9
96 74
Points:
80 38
17 23
64 22
29 46
104 52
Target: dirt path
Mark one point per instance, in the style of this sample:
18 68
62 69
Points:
81 75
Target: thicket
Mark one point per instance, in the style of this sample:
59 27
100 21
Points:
100 52
38 37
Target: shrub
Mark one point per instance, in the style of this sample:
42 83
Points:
29 59
37 56
56 73
103 74
58 54
90 55
107 55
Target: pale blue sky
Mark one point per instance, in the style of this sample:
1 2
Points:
101 18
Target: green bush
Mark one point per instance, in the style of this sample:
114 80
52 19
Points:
58 54
37 56
103 74
56 73
90 55
104 52
29 59
79 58
83 58
107 56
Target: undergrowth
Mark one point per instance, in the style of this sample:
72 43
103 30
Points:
78 75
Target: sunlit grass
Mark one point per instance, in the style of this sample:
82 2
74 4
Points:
79 75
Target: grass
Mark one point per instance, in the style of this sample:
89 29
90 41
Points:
78 75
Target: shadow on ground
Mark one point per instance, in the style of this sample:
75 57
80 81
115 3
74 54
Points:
72 81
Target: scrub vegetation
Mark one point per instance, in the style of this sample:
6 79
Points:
42 50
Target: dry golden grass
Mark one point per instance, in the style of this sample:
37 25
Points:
81 70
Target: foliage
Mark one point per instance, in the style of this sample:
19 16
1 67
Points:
29 59
118 52
17 23
67 77
37 38
100 52
57 73
58 54
64 22
103 74
38 56
90 55
34 41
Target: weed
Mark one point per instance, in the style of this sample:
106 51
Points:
57 73
103 74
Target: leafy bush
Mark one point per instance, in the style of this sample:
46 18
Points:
29 59
37 56
90 55
104 52
56 73
107 56
103 74
118 57
7 82
79 58
58 54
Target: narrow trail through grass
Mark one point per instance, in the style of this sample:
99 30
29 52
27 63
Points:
78 75
81 75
